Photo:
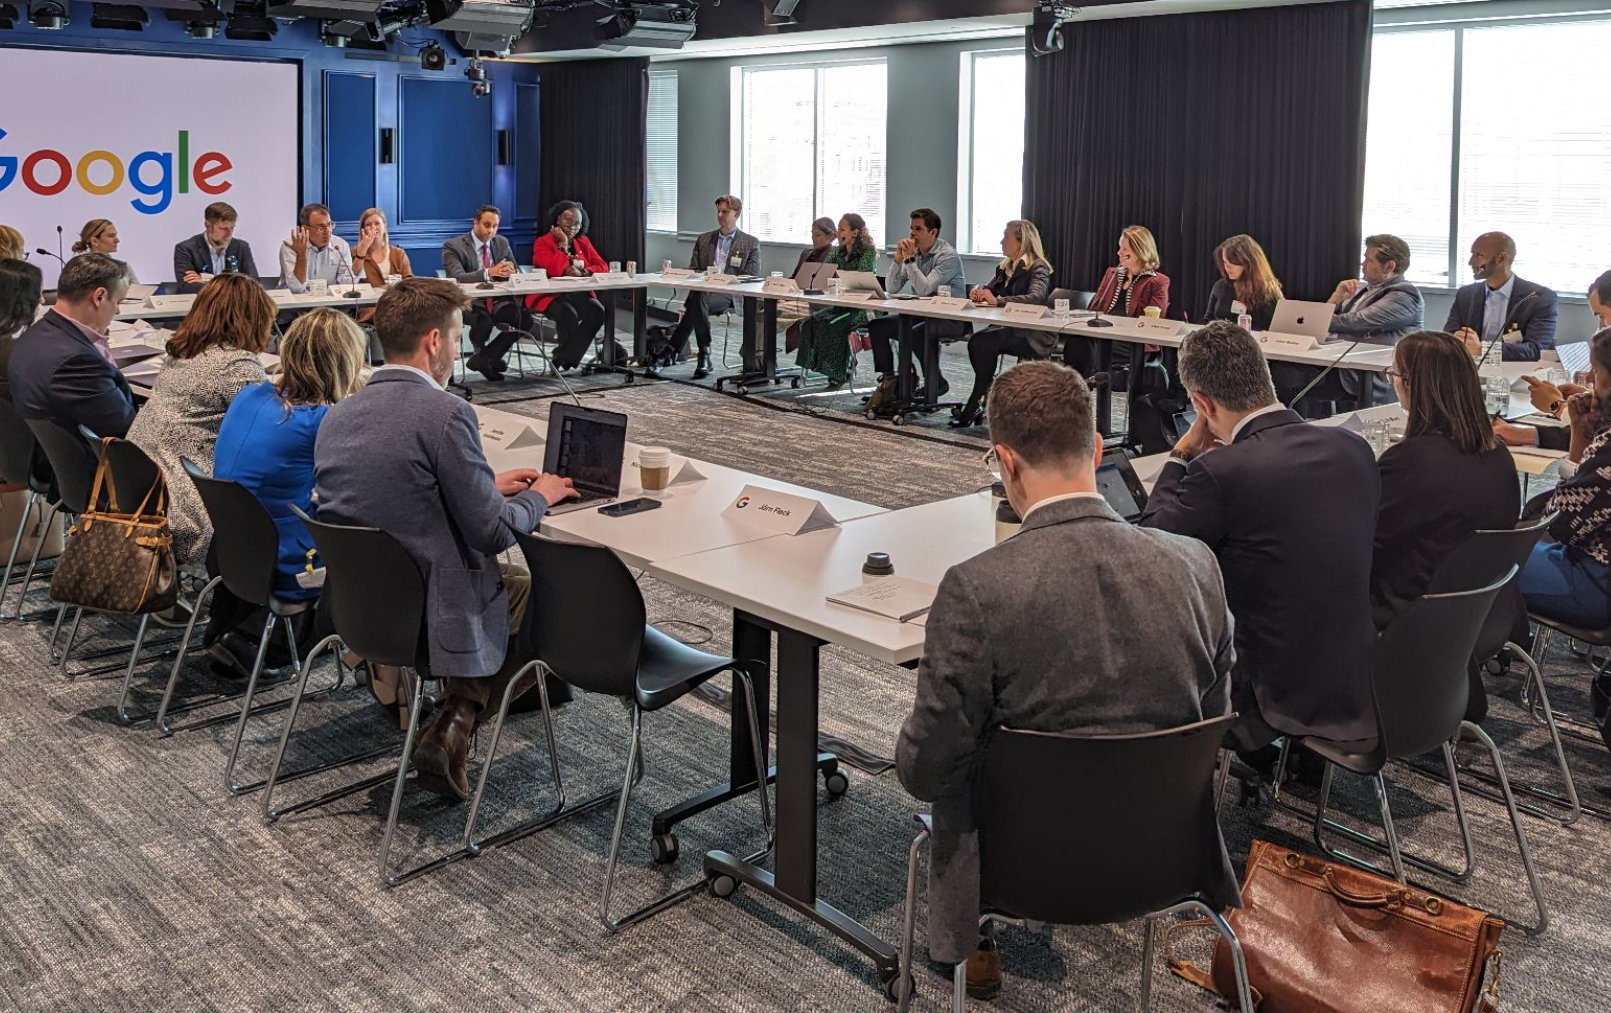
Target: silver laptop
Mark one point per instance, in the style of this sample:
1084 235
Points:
862 281
812 277
140 293
1312 319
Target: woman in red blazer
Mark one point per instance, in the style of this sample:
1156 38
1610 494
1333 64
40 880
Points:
565 252
1127 290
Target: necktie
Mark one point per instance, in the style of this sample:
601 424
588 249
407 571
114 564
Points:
486 262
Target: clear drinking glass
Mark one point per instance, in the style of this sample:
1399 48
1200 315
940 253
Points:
665 265
615 266
1060 307
944 291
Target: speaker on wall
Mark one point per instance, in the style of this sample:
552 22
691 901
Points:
386 147
506 147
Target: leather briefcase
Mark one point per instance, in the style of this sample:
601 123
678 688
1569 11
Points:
118 562
1322 937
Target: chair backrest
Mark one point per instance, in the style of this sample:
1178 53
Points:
373 593
585 618
246 544
1420 671
130 471
1086 830
19 450
1077 299
1478 562
72 460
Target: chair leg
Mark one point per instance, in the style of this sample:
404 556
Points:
235 787
1541 696
959 988
403 765
1515 822
179 660
1244 992
16 543
1222 779
55 628
33 564
1459 813
1387 827
1148 948
908 923
72 637
516 686
128 674
753 707
290 719
627 784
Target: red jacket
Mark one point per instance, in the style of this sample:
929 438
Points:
546 254
1150 289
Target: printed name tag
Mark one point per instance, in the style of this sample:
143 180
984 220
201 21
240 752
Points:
612 276
735 260
1023 311
778 512
719 279
172 302
954 303
1162 328
1278 342
781 286
676 272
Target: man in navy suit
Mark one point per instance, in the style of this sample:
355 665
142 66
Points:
1290 510
1500 306
61 368
213 251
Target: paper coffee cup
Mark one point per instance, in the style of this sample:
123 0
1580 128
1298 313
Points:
1152 312
654 467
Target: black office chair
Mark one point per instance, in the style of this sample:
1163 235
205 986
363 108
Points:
1077 299
1421 683
72 461
23 463
586 624
1481 559
1594 640
374 597
246 545
1095 830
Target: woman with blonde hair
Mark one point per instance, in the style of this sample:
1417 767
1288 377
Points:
1246 283
266 444
1128 289
375 255
11 244
1023 276
99 235
212 355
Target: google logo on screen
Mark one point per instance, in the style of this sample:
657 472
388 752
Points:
153 174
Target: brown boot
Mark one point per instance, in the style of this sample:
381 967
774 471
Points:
984 974
440 753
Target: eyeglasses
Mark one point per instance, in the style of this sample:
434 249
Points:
1393 373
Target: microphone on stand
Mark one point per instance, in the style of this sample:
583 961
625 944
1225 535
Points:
47 253
352 276
60 250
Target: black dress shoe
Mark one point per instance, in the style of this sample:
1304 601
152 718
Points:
970 414
487 369
702 370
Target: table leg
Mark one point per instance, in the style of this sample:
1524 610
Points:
794 881
640 323
905 332
762 331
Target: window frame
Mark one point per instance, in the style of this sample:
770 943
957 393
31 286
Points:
967 124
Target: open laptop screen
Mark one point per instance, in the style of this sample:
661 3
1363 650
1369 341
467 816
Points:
1118 483
587 446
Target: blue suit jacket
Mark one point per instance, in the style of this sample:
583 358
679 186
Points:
56 373
195 255
1290 510
1532 308
405 457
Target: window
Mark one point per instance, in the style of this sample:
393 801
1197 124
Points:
812 146
991 191
662 151
1528 153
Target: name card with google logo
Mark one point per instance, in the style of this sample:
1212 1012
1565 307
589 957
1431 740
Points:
1022 311
779 513
1278 342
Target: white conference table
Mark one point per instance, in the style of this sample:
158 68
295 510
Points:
778 586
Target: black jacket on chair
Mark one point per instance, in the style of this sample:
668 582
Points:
56 373
1434 497
1290 510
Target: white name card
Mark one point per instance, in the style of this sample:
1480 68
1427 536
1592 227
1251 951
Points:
172 302
956 304
1023 311
676 272
857 296
719 279
1162 328
778 512
1275 341
781 286
612 276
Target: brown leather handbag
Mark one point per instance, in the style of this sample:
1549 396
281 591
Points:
1321 937
118 562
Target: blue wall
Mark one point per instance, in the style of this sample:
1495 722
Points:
445 140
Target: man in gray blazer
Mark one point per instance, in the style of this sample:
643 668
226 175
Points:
482 255
731 252
404 455
1016 638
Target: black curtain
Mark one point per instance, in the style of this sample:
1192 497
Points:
1199 127
594 118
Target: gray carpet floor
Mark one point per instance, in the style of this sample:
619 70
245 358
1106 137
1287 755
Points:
131 881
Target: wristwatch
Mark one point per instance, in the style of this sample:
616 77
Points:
1555 407
1180 455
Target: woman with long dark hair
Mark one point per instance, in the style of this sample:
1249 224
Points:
1565 578
1448 478
1245 277
825 334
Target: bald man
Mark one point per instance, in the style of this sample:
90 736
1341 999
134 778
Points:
1500 308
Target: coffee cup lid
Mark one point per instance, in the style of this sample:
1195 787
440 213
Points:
654 456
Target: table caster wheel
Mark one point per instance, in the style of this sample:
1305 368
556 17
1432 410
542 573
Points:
663 848
892 987
836 782
723 885
629 376
871 415
795 383
900 420
742 389
776 381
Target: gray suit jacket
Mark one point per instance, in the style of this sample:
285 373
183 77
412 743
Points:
405 457
461 261
1017 638
745 246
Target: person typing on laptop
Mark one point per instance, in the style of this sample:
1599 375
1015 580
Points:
405 456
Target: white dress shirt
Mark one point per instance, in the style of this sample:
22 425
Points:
415 370
1496 304
1236 430
1060 498
333 263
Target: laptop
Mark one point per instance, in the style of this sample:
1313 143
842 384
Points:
812 277
862 281
140 293
587 446
1574 357
1309 319
1117 481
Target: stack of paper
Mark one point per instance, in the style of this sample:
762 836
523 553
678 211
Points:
899 598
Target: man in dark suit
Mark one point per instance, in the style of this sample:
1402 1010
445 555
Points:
730 252
214 251
405 456
61 368
1499 306
1290 509
482 255
1013 641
